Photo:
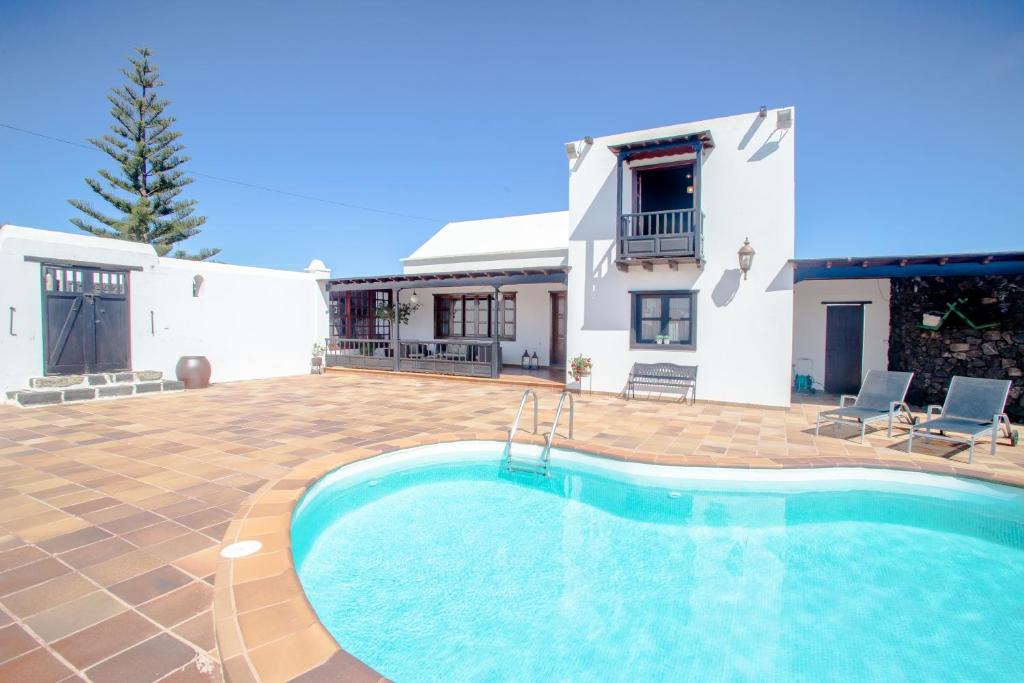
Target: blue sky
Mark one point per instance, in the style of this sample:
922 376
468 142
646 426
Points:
909 136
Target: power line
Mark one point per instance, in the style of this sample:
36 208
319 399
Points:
254 186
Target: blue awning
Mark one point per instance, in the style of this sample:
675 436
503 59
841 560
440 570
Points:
864 267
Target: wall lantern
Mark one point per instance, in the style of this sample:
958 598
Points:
415 298
525 363
197 285
746 254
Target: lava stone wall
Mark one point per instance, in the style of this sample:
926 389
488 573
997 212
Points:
956 349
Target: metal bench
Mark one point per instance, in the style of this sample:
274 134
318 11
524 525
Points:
663 378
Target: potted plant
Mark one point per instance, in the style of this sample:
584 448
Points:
580 367
317 362
400 313
663 339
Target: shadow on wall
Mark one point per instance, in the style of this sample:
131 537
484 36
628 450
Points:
749 135
783 280
770 145
725 290
598 223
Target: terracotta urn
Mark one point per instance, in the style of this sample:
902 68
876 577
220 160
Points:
194 371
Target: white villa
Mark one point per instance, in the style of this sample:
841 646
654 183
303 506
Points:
643 267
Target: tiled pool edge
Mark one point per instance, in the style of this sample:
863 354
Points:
266 629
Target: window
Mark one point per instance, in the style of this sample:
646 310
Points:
473 315
354 314
664 314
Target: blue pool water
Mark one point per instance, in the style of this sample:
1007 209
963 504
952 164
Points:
458 571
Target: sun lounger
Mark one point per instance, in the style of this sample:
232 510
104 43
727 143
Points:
881 397
973 407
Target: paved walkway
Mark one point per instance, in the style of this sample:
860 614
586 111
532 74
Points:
111 513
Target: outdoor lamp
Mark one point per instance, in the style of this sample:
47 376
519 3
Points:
746 254
526 360
415 298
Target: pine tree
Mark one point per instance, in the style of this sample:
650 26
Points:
146 151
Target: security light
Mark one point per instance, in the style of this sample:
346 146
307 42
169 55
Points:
784 119
746 255
573 150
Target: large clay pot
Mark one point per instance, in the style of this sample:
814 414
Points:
194 371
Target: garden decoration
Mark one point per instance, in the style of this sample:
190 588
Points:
935 321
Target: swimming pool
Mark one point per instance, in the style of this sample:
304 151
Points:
433 563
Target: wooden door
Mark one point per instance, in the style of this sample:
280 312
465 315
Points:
844 348
85 322
558 327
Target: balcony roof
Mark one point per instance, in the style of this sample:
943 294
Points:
861 267
467 278
662 147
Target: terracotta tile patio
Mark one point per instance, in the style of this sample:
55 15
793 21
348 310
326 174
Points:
112 513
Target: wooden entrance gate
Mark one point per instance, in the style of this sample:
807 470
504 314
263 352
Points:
85 320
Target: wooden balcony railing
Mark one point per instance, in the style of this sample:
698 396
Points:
473 358
654 234
375 354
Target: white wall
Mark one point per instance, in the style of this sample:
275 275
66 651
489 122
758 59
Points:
533 318
809 323
744 327
250 322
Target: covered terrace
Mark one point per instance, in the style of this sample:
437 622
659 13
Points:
467 323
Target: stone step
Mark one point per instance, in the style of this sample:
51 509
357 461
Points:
84 392
95 379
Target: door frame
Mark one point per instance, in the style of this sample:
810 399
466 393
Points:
86 294
553 319
829 305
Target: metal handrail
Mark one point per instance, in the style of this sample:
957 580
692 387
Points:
519 413
546 455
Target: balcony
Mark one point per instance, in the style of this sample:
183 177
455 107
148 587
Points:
664 193
670 236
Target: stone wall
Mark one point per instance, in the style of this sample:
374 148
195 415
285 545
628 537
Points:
956 349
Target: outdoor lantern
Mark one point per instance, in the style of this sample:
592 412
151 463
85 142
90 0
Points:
415 298
746 254
534 362
526 360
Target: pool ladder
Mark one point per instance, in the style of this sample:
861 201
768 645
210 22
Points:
539 466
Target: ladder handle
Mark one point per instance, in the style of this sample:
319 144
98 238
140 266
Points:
554 424
519 413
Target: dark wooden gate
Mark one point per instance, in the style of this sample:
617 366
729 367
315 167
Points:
85 320
844 348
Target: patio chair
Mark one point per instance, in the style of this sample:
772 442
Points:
881 397
973 407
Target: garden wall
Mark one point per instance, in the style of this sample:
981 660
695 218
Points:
250 322
956 348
